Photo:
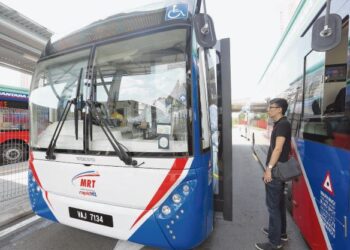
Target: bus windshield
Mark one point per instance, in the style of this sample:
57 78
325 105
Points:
138 84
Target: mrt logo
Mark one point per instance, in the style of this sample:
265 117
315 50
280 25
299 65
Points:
86 179
87 183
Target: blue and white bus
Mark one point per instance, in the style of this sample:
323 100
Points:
316 82
121 128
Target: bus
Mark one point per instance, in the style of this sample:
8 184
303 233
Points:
316 83
252 116
121 116
14 125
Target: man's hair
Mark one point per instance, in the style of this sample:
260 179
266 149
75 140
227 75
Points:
280 102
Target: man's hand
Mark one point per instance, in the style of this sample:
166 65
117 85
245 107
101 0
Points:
267 175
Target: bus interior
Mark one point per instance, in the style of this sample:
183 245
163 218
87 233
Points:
325 91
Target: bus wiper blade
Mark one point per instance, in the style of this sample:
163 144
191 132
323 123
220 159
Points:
119 149
52 145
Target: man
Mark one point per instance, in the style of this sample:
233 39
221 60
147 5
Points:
278 152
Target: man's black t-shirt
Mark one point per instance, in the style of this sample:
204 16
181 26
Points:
281 128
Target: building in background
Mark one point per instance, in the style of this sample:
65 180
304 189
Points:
21 43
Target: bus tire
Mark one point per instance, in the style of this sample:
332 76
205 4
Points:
13 152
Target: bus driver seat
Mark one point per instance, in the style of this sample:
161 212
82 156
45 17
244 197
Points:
339 103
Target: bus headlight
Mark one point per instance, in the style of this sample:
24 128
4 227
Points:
174 206
177 198
166 210
186 189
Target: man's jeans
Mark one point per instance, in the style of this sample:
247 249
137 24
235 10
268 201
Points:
275 202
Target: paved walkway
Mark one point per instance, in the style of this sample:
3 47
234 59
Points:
249 210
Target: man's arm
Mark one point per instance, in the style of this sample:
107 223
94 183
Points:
277 151
274 157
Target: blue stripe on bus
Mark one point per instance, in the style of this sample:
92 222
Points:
37 201
187 225
150 234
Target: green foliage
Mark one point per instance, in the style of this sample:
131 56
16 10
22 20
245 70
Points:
241 116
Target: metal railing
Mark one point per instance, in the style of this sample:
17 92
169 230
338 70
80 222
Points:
13 181
14 152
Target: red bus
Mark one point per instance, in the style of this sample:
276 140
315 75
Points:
14 125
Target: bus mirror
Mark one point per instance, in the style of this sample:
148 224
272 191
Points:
326 37
204 29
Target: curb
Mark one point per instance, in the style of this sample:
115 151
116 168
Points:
13 210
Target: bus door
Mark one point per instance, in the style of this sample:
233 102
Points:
303 201
215 99
324 149
223 199
335 196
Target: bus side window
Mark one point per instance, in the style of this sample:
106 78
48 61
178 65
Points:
295 106
325 119
313 86
335 76
335 91
339 103
204 112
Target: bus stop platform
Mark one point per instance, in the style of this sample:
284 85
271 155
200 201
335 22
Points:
249 209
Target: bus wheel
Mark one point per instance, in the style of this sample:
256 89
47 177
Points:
13 153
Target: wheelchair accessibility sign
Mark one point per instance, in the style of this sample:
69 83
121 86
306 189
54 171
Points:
176 11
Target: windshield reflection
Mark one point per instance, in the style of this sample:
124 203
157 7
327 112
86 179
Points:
140 85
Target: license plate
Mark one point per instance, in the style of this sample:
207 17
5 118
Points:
97 218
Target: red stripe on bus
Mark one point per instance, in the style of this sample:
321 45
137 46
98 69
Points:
304 212
47 197
31 166
173 175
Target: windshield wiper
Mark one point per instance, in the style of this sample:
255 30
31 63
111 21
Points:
52 145
119 148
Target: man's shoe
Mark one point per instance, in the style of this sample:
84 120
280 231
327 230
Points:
267 246
284 237
265 231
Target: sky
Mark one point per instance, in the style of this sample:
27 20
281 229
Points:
253 27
